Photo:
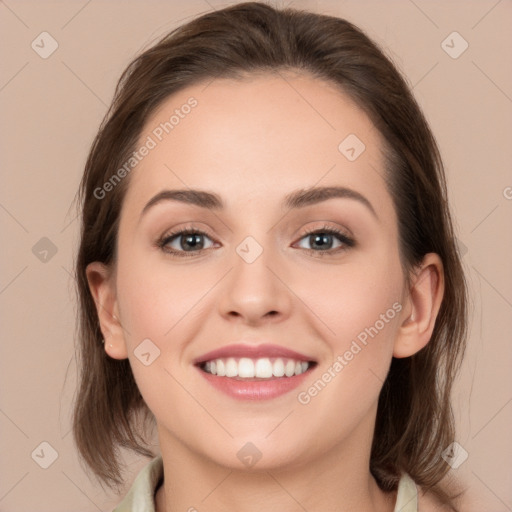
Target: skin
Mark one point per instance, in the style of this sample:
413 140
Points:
253 141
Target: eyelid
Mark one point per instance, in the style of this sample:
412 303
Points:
190 226
328 226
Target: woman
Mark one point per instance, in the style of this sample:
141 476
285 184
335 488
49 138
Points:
268 274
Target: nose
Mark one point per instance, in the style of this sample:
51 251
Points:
255 292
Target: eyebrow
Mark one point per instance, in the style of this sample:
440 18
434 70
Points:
297 199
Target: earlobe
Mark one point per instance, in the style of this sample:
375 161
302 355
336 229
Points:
104 294
422 307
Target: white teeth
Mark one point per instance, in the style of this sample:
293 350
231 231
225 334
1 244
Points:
290 368
231 368
278 368
245 367
221 368
262 368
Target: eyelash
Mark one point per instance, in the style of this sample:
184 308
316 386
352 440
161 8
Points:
326 230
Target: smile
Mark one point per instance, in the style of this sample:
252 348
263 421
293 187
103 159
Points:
262 368
249 372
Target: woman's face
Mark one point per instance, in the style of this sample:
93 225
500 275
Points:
252 274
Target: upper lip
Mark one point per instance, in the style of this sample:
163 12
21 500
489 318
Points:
253 352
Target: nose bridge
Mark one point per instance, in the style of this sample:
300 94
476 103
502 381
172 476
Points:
253 289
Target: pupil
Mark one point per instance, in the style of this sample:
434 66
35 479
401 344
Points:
323 239
192 240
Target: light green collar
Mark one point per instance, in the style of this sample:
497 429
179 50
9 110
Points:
141 496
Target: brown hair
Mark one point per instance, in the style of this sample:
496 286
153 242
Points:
414 419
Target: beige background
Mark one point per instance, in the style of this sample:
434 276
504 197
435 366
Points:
51 109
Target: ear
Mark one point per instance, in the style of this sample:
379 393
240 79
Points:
102 287
421 307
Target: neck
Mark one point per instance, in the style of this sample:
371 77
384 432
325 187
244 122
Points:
338 480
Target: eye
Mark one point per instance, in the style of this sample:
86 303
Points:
189 242
322 239
186 242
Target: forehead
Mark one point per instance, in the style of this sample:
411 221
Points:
256 139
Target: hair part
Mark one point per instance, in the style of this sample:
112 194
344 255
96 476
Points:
414 419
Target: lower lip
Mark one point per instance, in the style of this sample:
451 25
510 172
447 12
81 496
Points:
255 390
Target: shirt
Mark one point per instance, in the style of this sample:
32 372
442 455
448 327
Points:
141 496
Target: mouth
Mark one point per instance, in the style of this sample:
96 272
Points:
248 372
260 369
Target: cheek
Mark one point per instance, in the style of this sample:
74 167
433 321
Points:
355 297
362 312
156 299
157 310
165 304
359 306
